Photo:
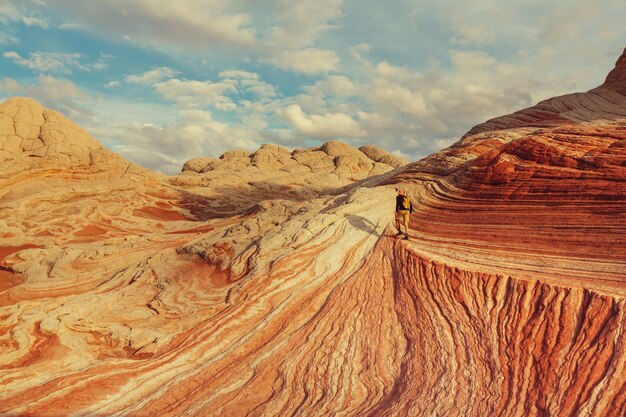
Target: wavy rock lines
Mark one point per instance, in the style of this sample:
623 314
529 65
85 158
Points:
496 345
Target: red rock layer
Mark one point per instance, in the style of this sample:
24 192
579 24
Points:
515 283
616 80
545 202
481 344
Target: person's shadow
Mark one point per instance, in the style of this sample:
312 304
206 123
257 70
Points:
362 223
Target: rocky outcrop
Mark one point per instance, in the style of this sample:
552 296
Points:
616 80
273 169
165 299
27 130
35 138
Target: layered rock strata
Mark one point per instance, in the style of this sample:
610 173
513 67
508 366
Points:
517 274
508 300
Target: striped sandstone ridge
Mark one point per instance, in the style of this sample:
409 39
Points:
518 279
507 301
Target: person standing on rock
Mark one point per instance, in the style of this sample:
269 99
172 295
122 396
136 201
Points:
404 208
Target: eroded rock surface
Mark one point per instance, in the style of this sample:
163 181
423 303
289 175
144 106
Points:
274 171
141 295
518 267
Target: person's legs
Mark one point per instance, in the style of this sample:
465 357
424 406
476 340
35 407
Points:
398 224
406 224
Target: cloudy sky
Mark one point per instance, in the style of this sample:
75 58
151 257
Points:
161 81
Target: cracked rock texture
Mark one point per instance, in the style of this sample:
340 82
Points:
273 170
246 286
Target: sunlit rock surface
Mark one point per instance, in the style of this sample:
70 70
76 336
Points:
275 172
124 292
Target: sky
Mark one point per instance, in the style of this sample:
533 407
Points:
161 82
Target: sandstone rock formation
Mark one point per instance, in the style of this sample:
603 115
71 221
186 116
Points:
155 296
274 171
521 264
39 139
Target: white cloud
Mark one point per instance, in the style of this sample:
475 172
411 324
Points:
444 103
583 35
7 39
470 60
279 32
258 88
358 52
334 85
11 14
188 24
239 74
167 147
302 22
70 26
8 12
56 62
473 34
36 21
152 76
389 94
472 24
10 86
408 110
52 89
249 82
306 61
101 63
56 93
290 45
565 24
198 94
321 126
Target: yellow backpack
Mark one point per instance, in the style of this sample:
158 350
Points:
406 202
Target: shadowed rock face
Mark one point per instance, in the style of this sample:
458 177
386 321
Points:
138 294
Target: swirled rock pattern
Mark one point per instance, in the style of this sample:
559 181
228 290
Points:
128 293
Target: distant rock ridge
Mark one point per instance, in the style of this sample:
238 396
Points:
591 106
330 166
32 136
275 157
616 79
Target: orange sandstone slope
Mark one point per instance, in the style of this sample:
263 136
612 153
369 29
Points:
507 301
122 289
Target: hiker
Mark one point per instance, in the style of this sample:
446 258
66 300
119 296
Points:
404 208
